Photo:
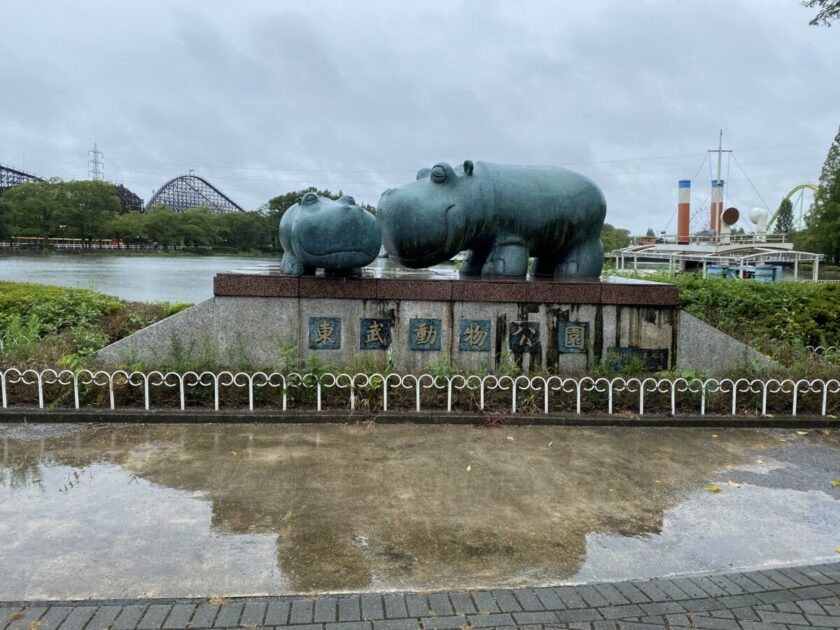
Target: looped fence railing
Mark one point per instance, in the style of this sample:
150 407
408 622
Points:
384 392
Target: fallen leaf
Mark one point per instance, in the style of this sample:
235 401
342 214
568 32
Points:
769 415
801 433
16 615
762 446
34 625
657 481
510 438
234 453
715 436
837 550
713 488
551 443
835 483
469 468
734 484
217 601
730 467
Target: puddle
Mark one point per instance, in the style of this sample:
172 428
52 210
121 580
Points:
184 510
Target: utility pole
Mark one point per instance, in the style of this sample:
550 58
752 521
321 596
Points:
717 187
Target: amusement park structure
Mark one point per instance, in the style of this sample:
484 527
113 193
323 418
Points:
191 191
718 249
10 177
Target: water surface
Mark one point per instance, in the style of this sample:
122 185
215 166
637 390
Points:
181 510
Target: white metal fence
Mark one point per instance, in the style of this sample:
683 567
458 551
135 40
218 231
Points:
426 392
822 351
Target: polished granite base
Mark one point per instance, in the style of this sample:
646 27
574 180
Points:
425 286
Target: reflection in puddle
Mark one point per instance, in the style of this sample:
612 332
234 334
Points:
219 509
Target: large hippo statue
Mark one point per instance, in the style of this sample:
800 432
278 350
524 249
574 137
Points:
335 235
502 214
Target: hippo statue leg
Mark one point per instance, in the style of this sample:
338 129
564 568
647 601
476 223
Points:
582 261
509 258
291 265
474 263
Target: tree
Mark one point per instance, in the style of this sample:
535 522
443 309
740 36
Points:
87 208
784 222
5 220
246 230
650 233
824 219
829 10
614 238
36 208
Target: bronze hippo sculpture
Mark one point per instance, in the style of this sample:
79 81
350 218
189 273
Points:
502 214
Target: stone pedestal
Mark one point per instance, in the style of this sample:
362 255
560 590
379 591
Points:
410 324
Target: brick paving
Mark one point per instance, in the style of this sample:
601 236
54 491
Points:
801 597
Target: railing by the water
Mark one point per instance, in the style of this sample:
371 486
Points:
68 389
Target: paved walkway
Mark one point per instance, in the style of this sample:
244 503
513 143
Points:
804 597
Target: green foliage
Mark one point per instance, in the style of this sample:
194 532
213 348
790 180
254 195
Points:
793 314
784 222
824 219
75 209
829 10
55 325
614 238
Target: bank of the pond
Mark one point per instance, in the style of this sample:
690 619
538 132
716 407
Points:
44 325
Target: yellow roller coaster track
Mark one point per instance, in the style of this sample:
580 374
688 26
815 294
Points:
812 187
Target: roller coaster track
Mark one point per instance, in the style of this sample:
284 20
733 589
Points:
191 191
11 177
798 188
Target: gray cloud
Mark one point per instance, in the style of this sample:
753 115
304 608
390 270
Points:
264 97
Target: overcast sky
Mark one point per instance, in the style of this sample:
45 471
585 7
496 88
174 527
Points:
265 97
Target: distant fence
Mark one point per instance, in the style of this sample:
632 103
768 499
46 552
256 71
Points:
68 389
822 351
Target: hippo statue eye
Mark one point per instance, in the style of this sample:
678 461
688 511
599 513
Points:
438 174
348 200
308 199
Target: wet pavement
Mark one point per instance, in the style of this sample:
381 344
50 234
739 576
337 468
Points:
194 511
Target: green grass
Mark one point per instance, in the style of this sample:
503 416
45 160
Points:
46 325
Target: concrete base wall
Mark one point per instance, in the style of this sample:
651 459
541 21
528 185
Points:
267 332
704 348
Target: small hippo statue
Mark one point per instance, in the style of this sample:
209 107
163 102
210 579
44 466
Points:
502 214
335 235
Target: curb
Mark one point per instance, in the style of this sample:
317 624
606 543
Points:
131 416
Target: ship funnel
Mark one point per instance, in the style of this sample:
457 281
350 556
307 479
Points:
716 206
684 212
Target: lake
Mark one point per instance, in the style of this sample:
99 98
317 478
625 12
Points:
138 278
156 278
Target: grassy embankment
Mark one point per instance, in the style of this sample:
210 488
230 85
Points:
53 326
49 326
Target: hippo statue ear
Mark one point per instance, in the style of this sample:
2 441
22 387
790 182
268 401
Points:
468 167
347 200
423 173
298 200
442 173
